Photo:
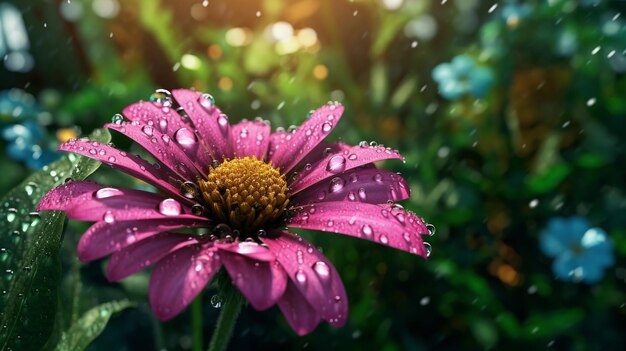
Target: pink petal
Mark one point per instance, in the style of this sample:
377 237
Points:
251 139
300 315
312 274
212 125
384 224
177 128
164 119
373 186
251 250
102 238
318 153
142 254
262 283
161 146
178 278
125 208
335 164
286 152
160 177
75 193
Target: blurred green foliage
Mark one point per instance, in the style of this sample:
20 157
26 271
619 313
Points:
489 173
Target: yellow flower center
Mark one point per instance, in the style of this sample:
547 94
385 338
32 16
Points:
245 193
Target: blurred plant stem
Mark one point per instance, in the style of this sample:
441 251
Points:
233 301
196 323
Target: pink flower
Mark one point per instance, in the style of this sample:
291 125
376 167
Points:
244 185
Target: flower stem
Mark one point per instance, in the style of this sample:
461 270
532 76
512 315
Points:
233 301
196 323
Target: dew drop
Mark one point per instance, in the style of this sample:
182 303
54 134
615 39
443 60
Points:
362 194
147 130
378 178
367 230
107 192
170 207
108 217
222 121
117 119
321 269
384 239
216 301
327 127
189 190
300 277
197 209
352 157
428 248
321 195
185 137
336 164
431 229
336 184
206 101
12 213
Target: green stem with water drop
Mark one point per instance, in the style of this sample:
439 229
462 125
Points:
233 301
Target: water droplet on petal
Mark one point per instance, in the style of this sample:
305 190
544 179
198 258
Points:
327 127
170 207
378 178
367 230
384 239
336 184
185 137
107 192
428 248
322 270
336 164
431 229
147 130
189 190
108 217
321 195
300 276
117 119
206 101
197 209
222 121
362 194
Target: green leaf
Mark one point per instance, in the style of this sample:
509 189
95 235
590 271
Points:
29 253
90 325
548 179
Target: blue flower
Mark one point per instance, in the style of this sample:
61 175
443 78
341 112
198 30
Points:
16 104
462 77
27 141
580 252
